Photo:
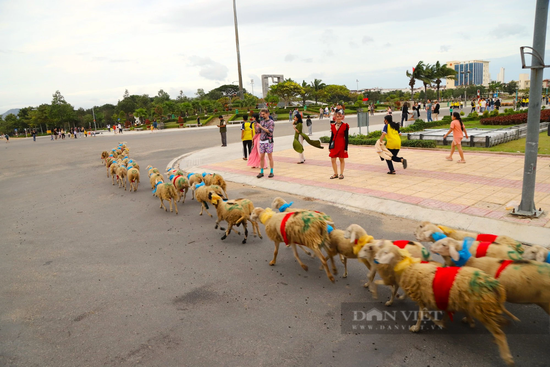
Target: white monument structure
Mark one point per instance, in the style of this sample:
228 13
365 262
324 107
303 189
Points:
275 78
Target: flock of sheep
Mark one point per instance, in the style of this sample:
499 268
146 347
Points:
481 271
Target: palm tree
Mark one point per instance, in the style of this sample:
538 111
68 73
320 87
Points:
317 85
427 77
442 72
416 74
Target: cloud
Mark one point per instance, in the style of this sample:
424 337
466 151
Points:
465 36
308 60
367 39
290 57
352 44
508 30
444 48
210 69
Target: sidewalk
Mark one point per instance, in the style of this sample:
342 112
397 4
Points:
476 196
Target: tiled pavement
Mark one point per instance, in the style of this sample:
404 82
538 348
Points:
478 195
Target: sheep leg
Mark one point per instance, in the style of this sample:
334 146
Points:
324 262
230 225
274 261
184 194
170 202
439 323
306 251
393 294
331 258
344 261
162 204
416 328
469 320
257 227
175 206
304 266
500 339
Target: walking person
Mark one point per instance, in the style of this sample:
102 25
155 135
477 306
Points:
458 130
309 125
267 126
298 123
52 132
389 111
247 133
338 145
7 137
436 110
223 131
404 113
393 143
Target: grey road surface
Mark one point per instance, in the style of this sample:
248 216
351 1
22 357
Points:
92 275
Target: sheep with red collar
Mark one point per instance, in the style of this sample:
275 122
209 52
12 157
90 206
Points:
525 281
451 289
180 182
113 167
426 231
305 228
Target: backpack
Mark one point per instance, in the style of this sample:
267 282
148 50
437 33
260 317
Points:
308 122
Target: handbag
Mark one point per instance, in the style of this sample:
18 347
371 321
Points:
331 145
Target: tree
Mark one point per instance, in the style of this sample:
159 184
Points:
317 85
200 93
427 77
511 87
39 116
306 92
415 75
161 97
181 97
442 72
287 90
141 113
169 107
336 93
61 112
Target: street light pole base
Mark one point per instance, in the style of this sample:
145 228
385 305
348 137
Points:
524 213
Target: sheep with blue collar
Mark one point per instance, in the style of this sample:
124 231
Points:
121 175
215 179
166 191
201 192
133 177
538 253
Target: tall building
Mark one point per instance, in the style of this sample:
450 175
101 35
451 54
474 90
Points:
475 72
524 81
501 76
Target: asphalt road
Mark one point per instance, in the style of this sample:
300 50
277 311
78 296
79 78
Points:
92 275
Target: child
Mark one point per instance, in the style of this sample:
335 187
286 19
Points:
458 129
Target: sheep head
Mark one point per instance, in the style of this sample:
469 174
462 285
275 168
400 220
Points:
354 232
535 252
214 198
255 215
425 230
370 250
277 203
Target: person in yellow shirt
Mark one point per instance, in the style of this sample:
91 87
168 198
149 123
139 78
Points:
392 134
247 134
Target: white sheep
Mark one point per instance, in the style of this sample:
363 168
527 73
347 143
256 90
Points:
248 208
215 179
425 233
166 191
232 213
525 281
538 253
307 228
201 193
472 291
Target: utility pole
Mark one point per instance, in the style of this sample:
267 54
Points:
252 85
241 94
527 205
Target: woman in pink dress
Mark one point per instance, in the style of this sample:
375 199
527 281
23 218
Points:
458 130
254 158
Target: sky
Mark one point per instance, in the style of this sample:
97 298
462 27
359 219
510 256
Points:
92 51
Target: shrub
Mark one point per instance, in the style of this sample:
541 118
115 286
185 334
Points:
493 113
324 139
461 113
473 115
513 119
419 143
485 114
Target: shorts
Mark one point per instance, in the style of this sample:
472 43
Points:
266 148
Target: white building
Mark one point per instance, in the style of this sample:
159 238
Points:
474 72
500 77
524 81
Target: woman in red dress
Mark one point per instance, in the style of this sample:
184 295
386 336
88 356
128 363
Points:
338 145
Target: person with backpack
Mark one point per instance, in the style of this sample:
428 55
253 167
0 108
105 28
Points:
247 134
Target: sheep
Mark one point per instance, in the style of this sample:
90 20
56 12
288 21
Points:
248 207
307 228
133 178
201 193
108 161
194 179
537 253
104 155
166 191
181 184
280 205
471 291
232 213
150 170
215 179
154 177
113 167
121 174
342 243
425 232
525 281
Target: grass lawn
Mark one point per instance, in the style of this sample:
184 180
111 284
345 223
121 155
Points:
473 124
515 146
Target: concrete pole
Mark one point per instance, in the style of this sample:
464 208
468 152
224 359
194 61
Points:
241 94
527 205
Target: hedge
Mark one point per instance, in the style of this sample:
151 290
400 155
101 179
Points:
513 119
363 140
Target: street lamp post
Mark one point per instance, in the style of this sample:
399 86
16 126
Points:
238 51
465 88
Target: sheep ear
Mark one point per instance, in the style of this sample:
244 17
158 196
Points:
454 253
352 237
386 258
210 196
540 256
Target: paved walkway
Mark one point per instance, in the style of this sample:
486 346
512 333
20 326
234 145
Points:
478 195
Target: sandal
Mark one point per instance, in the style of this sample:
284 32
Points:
391 173
461 161
449 159
334 176
341 177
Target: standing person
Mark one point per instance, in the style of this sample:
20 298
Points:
119 128
223 131
497 104
198 121
331 116
309 125
404 113
114 128
109 127
458 129
290 115
254 158
7 137
52 132
473 104
338 145
392 134
247 133
429 111
267 126
389 111
298 123
436 110
372 108
321 112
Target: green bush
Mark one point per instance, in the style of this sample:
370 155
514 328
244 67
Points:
324 139
485 114
419 143
461 113
474 115
493 113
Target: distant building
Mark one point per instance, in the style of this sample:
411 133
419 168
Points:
500 77
546 83
524 81
475 72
